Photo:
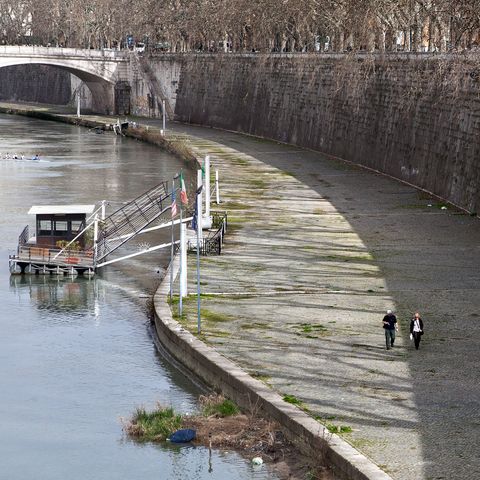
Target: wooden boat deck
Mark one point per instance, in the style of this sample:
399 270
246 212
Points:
52 259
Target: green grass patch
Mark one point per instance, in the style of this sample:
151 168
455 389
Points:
216 317
218 406
338 428
261 376
258 183
156 425
252 326
232 205
311 330
219 334
239 161
292 399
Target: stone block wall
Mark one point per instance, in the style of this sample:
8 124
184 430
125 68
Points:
416 118
35 83
147 93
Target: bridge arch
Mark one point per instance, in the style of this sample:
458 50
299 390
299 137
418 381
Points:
102 90
98 70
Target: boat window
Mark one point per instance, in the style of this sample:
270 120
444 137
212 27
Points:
45 227
61 227
77 226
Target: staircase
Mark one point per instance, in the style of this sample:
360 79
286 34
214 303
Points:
141 65
129 220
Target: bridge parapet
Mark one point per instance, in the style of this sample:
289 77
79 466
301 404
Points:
73 53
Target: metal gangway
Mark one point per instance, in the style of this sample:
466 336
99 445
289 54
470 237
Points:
132 219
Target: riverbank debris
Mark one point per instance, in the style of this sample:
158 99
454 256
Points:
185 435
221 425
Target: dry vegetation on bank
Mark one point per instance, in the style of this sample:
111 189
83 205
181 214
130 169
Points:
221 425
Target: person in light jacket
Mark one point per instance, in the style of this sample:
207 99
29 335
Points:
416 329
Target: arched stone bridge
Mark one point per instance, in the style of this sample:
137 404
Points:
104 72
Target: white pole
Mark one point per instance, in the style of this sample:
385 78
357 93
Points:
207 188
103 210
217 192
180 296
200 203
172 247
199 233
78 102
95 237
183 260
164 116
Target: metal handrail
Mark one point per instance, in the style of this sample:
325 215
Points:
55 256
24 236
213 244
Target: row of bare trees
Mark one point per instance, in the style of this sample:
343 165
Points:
243 25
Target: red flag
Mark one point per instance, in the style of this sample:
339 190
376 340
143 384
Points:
183 191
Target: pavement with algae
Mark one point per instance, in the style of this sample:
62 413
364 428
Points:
317 250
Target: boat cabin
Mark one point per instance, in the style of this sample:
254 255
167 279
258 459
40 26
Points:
60 222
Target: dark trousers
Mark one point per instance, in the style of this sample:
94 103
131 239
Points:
389 337
417 336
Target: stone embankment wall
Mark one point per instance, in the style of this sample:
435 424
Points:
416 118
154 79
35 83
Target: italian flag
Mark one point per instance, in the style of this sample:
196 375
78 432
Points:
183 191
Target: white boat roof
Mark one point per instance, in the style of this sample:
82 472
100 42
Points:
60 209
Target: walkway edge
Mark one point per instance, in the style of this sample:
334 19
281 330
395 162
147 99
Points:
311 437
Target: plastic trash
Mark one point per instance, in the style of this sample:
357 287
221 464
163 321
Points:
257 461
444 208
183 436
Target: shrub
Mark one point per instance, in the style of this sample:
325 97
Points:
156 425
219 406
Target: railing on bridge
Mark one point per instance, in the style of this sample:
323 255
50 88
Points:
29 50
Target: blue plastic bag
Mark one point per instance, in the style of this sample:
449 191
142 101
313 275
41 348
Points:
183 436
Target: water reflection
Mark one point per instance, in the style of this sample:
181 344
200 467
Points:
61 294
78 354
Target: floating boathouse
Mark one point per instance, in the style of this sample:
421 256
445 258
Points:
58 244
77 239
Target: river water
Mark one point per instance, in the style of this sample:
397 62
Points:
76 355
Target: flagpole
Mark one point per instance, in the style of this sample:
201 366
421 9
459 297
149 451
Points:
200 202
172 247
180 302
199 317
183 249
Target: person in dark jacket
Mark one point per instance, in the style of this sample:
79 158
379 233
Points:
416 329
390 326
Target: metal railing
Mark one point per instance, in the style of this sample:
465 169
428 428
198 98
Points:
132 218
213 243
54 256
24 236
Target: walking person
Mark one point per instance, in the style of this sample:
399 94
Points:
416 329
390 326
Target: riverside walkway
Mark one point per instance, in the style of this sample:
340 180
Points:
316 253
317 250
